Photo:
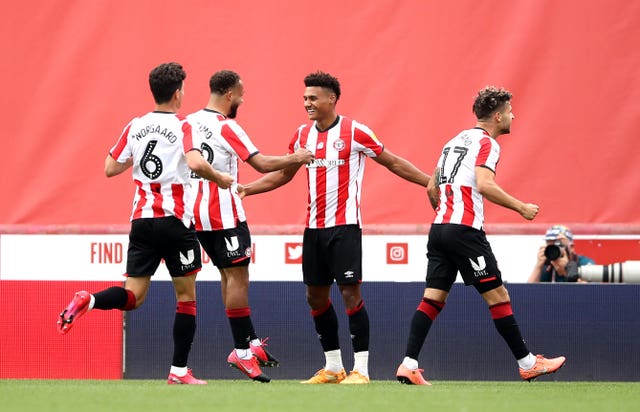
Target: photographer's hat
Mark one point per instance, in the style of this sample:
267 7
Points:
557 230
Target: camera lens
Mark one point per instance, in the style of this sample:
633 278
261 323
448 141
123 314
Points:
552 252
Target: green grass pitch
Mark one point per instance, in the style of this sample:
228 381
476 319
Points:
286 395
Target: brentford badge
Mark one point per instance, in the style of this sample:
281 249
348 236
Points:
338 144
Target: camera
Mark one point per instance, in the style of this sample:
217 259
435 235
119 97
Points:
554 251
621 272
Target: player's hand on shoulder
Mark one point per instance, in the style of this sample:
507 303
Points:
529 211
304 156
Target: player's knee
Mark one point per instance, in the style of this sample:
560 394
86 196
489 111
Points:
431 307
350 295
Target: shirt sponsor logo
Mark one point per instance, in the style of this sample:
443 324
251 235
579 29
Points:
397 253
326 163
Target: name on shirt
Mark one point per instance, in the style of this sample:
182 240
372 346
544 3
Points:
208 134
157 130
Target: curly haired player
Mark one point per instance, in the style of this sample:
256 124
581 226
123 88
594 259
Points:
457 241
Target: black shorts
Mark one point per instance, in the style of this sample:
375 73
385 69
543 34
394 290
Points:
227 247
154 239
452 248
332 253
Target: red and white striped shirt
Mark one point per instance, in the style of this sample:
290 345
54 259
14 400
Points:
335 176
223 142
158 142
460 202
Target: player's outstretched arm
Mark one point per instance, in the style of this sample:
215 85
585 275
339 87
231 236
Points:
202 168
433 189
265 163
487 186
270 181
403 168
113 168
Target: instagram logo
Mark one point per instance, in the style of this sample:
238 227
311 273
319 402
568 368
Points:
397 253
293 253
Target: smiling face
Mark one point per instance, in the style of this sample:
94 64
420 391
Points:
320 103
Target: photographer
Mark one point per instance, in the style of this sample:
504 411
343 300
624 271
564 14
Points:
557 259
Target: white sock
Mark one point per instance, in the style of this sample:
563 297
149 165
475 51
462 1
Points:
92 301
256 342
333 361
178 371
361 362
244 354
410 363
527 362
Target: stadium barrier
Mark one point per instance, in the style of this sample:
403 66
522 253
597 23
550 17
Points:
596 326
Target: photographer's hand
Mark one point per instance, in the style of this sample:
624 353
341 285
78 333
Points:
541 257
534 277
560 264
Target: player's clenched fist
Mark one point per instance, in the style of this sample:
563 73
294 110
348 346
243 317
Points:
529 211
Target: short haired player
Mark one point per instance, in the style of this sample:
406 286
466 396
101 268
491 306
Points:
332 241
220 220
159 146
